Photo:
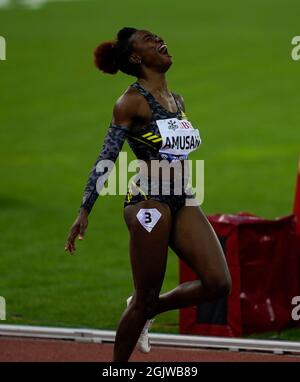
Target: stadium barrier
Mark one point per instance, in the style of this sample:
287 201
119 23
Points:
160 339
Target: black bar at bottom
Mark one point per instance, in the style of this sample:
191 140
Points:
137 370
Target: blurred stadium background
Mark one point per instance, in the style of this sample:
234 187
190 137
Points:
233 66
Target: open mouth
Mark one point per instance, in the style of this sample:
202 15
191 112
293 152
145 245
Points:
162 49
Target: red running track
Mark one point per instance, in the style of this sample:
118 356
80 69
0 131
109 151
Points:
41 350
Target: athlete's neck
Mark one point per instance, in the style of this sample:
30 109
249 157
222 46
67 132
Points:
155 83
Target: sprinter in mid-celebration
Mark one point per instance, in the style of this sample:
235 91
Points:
153 121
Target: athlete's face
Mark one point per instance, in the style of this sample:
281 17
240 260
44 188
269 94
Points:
150 50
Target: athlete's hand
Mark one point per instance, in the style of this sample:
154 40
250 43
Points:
78 229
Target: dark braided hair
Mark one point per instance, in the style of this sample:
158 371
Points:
112 56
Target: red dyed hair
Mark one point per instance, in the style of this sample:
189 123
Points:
111 56
105 57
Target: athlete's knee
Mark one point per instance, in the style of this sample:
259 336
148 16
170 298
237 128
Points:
219 285
146 300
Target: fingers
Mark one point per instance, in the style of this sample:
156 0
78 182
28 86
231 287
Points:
70 244
78 229
70 248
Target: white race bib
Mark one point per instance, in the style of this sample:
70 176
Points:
148 217
179 138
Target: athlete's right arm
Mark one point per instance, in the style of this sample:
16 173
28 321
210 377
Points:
124 114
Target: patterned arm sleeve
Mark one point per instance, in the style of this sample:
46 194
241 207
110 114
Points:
112 145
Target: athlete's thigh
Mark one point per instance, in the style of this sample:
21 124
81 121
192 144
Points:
148 247
195 242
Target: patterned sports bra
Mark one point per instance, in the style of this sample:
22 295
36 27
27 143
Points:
169 135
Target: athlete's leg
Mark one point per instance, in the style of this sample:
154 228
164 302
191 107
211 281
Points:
195 242
148 254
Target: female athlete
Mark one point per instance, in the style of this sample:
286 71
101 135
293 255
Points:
153 121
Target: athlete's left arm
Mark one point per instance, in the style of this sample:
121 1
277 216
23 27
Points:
113 142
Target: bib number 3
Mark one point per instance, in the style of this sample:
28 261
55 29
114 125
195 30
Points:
148 217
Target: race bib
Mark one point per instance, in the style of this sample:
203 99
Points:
179 138
148 217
